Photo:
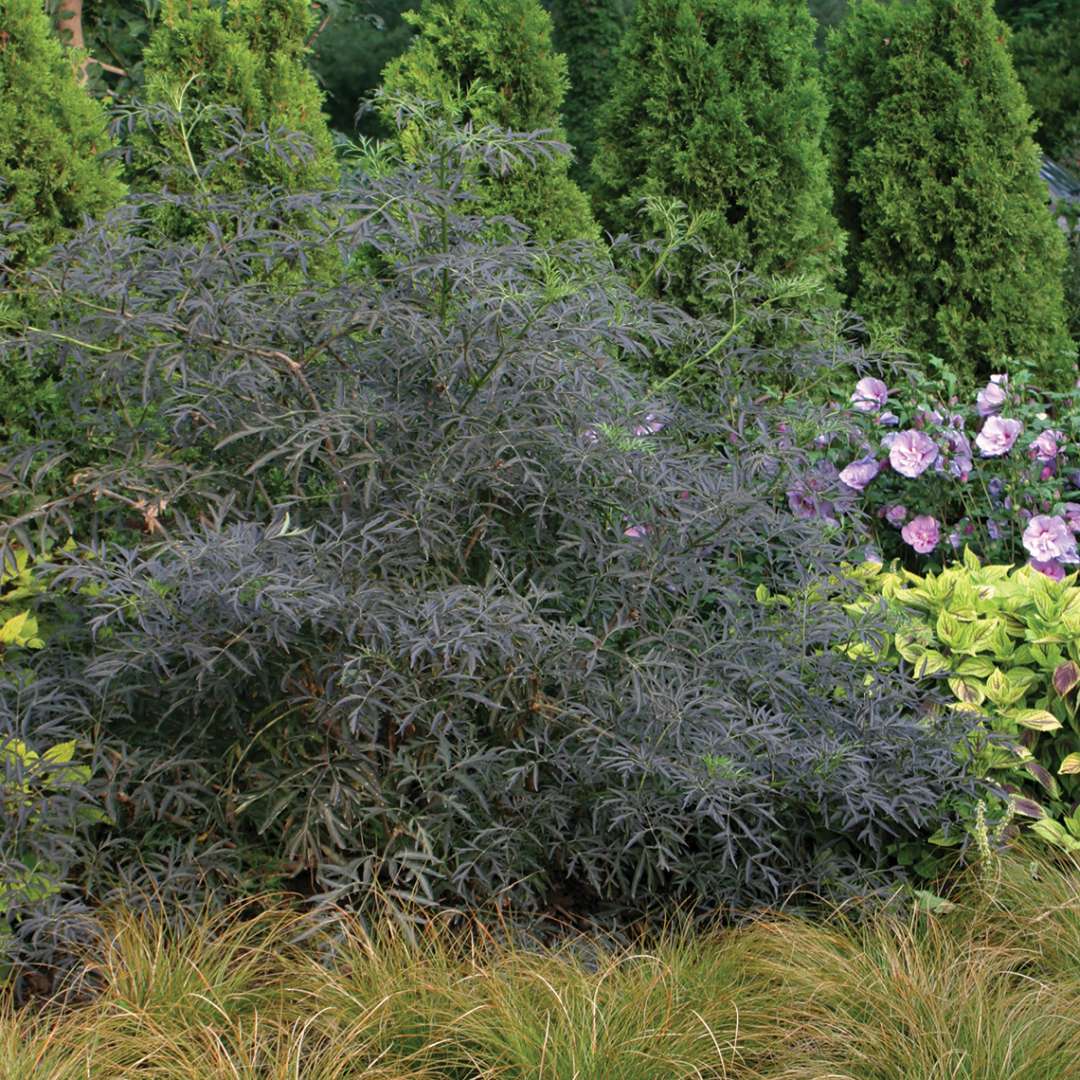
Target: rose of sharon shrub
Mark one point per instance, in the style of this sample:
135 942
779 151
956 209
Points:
1007 642
982 471
459 607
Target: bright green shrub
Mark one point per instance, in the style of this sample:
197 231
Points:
51 137
588 32
491 62
938 186
52 175
249 56
718 103
1007 642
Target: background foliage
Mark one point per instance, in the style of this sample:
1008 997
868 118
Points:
937 178
588 33
249 57
719 105
488 63
51 139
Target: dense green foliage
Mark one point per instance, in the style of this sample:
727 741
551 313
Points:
588 32
348 57
249 58
52 175
51 137
491 62
1047 59
719 104
938 185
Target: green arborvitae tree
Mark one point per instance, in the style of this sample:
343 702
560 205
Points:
492 62
720 104
52 176
51 137
248 55
588 33
938 185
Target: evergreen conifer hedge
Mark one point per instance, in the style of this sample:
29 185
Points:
248 56
491 62
938 182
52 135
719 103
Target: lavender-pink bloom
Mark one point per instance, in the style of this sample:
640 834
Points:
1072 515
922 533
912 453
1046 445
997 436
1047 538
896 515
959 449
805 495
802 504
870 395
650 425
990 399
1050 567
888 419
859 473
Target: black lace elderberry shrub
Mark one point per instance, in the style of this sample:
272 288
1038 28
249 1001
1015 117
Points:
432 591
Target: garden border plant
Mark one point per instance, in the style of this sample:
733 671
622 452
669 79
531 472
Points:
407 580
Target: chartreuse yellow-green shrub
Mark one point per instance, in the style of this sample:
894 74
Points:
244 55
720 105
1005 642
491 62
32 778
937 179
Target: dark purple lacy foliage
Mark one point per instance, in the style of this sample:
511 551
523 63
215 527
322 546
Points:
381 586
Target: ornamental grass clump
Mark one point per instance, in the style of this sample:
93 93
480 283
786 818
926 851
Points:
410 582
988 981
